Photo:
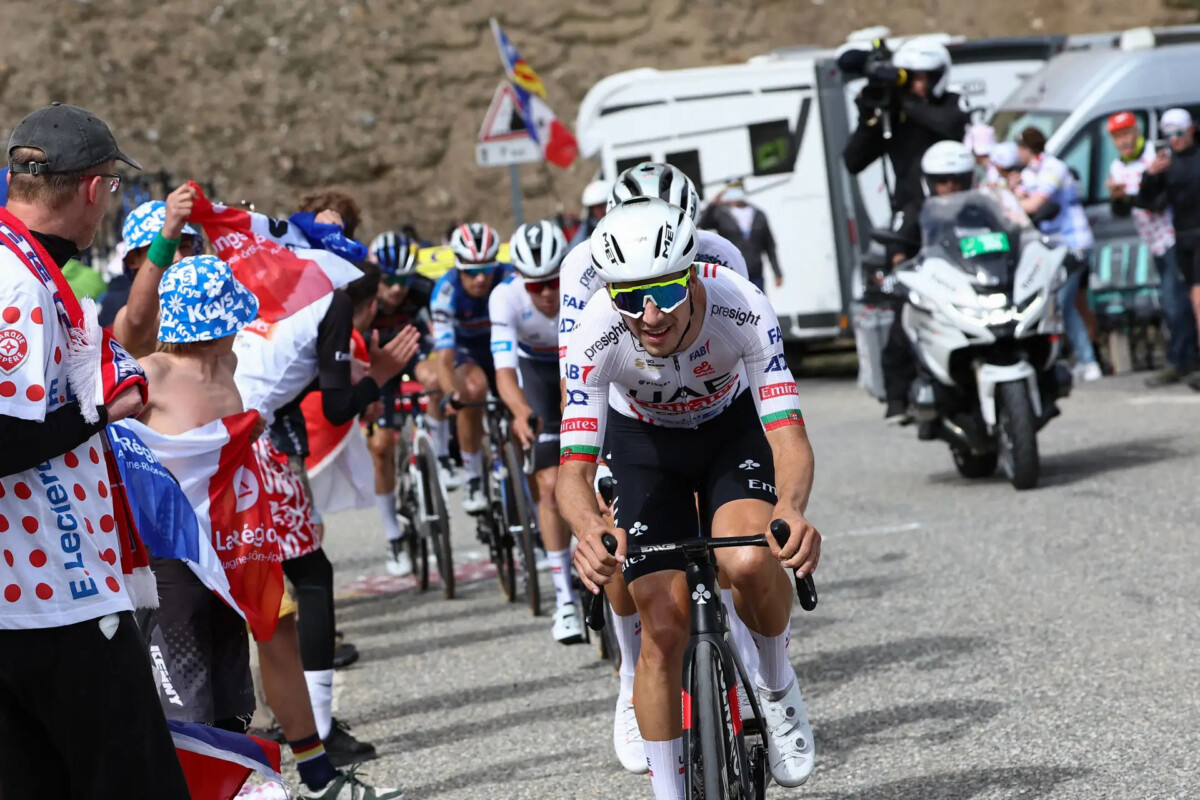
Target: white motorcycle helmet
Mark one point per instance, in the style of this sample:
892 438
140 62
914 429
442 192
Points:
643 239
537 249
928 56
947 160
664 181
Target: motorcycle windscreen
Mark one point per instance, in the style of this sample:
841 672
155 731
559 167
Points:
975 231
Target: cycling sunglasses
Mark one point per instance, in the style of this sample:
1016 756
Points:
398 280
475 270
536 287
666 295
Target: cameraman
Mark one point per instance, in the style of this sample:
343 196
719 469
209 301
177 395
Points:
921 113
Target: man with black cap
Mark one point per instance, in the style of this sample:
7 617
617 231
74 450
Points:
79 715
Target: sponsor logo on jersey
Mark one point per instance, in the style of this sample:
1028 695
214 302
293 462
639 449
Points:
501 347
762 486
710 259
772 390
573 302
609 337
576 372
589 425
705 369
781 419
13 350
700 352
562 353
566 325
686 400
776 364
775 335
576 397
740 316
578 452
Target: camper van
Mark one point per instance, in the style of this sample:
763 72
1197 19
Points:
779 123
1071 100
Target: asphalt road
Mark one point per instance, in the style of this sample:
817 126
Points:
971 641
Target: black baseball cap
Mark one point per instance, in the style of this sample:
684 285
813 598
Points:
71 138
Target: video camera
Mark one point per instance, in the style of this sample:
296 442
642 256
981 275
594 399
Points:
883 77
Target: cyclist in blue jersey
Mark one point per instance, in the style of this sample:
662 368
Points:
462 344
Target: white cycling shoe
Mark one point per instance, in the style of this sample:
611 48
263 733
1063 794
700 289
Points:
449 473
475 501
398 563
627 737
568 628
790 750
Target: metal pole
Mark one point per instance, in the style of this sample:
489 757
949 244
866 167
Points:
514 179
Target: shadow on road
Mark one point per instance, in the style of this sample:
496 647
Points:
497 779
402 614
1065 468
413 647
919 724
923 653
1011 782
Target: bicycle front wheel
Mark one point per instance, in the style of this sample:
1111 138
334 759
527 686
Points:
712 754
520 508
499 495
438 530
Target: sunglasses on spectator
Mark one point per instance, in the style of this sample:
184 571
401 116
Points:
666 296
114 181
537 287
1175 134
398 280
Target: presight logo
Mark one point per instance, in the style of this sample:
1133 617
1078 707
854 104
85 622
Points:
773 390
740 316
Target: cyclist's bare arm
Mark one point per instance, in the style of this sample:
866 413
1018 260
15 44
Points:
577 503
794 466
445 369
513 397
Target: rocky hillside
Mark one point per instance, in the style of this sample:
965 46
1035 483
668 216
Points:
270 98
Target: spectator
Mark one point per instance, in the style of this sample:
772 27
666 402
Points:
79 712
1046 179
1173 181
333 208
1158 233
747 228
595 206
980 140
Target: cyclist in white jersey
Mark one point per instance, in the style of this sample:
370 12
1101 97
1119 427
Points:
648 179
578 283
524 314
695 355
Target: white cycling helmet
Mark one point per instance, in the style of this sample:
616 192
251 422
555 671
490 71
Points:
664 181
474 243
537 249
595 194
643 239
926 55
948 159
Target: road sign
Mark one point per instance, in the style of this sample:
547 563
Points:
503 138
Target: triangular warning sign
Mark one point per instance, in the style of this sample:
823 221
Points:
505 119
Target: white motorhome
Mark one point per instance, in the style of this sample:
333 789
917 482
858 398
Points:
780 122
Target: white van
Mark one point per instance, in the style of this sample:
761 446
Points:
780 123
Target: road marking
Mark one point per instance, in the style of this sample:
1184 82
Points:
881 530
1168 399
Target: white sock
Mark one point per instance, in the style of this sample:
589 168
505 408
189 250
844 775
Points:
775 672
742 640
441 436
320 693
629 642
666 768
473 464
387 511
560 571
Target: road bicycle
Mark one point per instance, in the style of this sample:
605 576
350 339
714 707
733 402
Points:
509 523
598 605
420 496
719 762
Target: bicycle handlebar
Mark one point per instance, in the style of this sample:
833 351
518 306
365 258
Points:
806 587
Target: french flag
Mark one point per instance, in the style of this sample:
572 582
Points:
236 543
216 763
271 257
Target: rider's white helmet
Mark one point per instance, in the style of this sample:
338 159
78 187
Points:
474 243
948 159
595 194
643 239
664 181
926 55
537 249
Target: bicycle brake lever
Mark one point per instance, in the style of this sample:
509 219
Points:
593 614
806 587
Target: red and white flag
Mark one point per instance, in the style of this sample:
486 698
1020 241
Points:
271 257
240 557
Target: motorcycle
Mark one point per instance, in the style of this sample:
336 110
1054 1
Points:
981 313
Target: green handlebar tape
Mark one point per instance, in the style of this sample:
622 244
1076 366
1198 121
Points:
162 251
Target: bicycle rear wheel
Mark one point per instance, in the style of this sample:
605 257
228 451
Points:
520 508
438 532
714 763
499 490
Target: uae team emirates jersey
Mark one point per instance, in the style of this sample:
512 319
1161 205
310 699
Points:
59 551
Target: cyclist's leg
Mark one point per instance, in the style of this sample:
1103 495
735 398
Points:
471 384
